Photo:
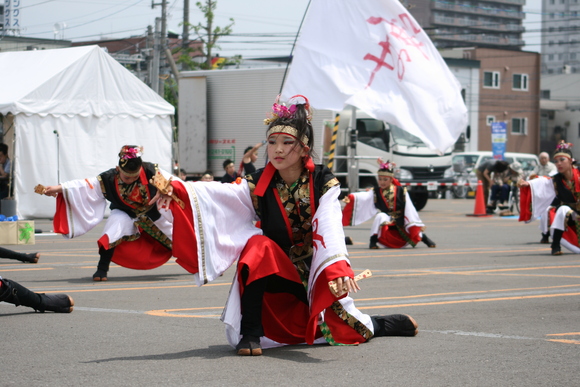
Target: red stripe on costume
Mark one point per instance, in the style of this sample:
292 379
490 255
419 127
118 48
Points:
323 299
145 253
348 211
89 183
184 239
285 215
525 204
265 179
60 221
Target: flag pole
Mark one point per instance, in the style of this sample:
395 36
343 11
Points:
293 45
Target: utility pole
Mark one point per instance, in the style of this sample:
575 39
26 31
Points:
149 50
157 84
156 55
185 34
209 36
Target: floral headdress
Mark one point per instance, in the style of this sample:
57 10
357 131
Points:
386 169
130 152
281 111
130 159
564 149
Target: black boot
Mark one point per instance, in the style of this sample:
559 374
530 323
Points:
425 239
556 238
103 265
545 238
394 325
14 293
373 242
31 258
348 240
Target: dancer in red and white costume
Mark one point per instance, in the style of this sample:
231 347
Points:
280 293
135 235
556 201
397 223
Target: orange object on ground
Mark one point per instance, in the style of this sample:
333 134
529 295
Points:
479 209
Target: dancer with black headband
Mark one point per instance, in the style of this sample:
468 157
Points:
556 201
135 235
280 294
397 223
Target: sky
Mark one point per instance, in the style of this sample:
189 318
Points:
262 27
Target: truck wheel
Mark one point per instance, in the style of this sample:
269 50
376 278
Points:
419 199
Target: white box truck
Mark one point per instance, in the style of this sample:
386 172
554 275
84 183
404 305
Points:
221 112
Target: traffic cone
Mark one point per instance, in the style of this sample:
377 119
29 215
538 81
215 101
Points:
479 209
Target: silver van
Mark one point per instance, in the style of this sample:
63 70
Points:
465 163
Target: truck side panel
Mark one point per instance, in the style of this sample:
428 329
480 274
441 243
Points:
238 101
193 118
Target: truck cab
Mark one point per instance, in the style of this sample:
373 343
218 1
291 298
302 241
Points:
418 167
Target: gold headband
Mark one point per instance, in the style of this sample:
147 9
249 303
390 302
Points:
285 129
386 173
130 174
563 154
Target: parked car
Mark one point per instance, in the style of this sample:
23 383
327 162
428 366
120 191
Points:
465 163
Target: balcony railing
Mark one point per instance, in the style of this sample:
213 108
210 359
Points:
475 10
479 24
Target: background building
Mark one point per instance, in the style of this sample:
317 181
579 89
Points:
460 23
560 115
509 89
560 36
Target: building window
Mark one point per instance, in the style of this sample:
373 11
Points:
550 56
551 43
562 1
489 120
545 94
572 55
491 79
519 126
520 82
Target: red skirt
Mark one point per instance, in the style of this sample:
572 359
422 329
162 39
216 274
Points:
285 318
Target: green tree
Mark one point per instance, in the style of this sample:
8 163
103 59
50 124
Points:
207 34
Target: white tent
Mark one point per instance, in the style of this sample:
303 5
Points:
67 114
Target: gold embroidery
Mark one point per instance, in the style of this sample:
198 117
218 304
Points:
296 201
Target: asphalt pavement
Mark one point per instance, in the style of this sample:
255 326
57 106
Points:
494 309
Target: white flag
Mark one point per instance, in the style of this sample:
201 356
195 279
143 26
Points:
372 54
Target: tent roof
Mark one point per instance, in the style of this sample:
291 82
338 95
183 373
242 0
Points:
74 81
